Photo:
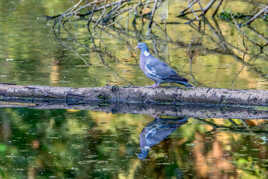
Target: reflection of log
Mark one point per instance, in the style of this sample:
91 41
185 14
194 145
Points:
186 110
165 95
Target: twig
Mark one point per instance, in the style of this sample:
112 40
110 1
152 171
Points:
152 16
202 10
209 5
244 34
190 5
256 16
217 8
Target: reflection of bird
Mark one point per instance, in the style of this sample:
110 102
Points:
157 131
157 70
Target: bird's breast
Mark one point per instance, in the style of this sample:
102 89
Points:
142 62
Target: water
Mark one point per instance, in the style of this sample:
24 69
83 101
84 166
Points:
77 143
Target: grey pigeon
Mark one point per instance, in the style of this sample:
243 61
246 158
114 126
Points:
157 70
157 131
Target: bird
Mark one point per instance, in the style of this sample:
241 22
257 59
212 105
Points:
156 131
157 70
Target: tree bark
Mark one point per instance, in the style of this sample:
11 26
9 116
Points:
139 95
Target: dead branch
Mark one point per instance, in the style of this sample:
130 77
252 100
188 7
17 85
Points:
152 16
262 11
202 10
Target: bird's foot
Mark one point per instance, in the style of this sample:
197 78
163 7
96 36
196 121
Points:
154 85
151 86
156 115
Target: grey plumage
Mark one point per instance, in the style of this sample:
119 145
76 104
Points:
157 70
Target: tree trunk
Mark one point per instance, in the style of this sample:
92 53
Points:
140 95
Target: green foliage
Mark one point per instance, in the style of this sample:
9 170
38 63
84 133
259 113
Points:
265 17
72 144
228 16
3 148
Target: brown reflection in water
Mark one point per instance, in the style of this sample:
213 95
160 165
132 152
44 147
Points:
214 162
54 74
31 174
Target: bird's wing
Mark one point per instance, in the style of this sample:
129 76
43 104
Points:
161 70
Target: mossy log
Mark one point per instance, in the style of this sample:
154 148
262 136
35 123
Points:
139 95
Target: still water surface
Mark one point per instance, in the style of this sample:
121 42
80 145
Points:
68 143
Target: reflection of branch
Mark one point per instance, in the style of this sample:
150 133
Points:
100 54
235 129
245 35
191 53
237 74
71 47
260 36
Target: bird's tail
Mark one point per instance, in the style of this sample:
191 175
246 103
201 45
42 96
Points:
185 83
182 81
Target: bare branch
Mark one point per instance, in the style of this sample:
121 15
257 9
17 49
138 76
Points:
265 9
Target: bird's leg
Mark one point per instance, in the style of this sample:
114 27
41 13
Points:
155 85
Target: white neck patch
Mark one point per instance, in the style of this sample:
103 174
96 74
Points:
146 53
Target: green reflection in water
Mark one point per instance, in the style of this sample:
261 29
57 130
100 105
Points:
75 144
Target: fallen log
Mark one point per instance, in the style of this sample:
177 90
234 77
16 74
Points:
139 95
